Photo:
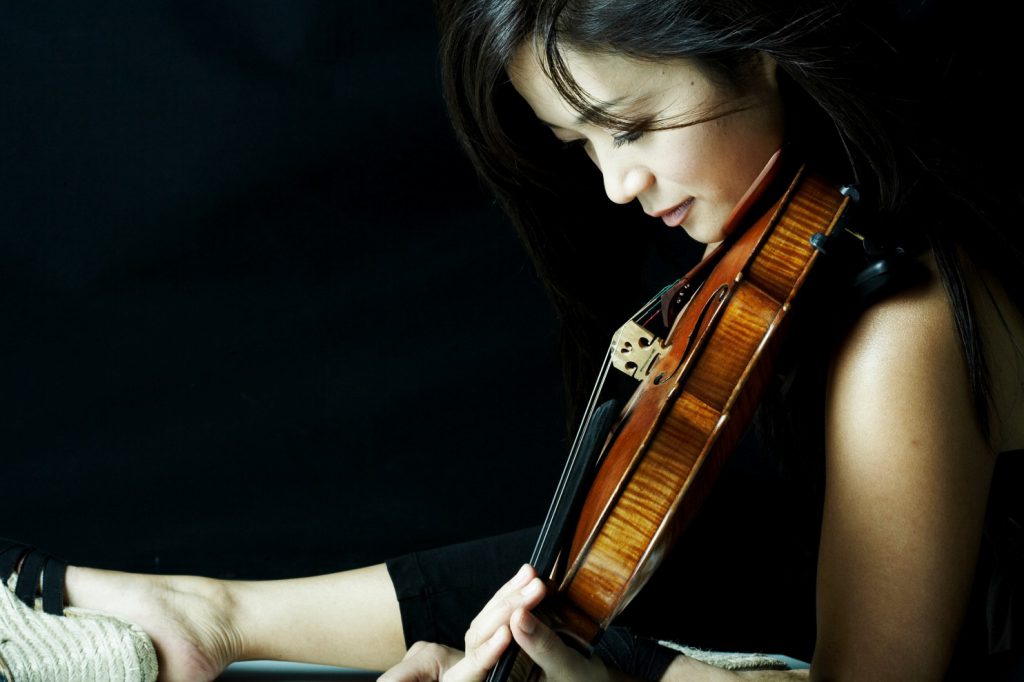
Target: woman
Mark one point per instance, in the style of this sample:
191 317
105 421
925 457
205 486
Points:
919 385
900 418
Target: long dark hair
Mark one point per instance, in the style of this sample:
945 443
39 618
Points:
845 76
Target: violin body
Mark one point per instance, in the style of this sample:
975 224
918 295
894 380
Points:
699 388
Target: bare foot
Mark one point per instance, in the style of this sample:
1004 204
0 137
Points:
187 617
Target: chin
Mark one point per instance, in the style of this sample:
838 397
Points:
704 235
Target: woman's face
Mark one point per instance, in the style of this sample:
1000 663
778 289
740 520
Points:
690 176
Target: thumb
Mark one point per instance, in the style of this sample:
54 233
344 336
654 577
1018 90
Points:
557 659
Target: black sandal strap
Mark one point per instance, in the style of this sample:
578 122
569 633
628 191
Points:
28 578
10 555
53 586
38 573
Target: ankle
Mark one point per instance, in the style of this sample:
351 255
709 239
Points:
223 603
218 604
84 588
241 601
206 607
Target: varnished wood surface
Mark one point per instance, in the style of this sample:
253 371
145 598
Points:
672 443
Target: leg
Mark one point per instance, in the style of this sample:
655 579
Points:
352 618
348 619
200 625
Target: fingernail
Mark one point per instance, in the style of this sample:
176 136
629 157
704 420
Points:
522 576
532 588
527 623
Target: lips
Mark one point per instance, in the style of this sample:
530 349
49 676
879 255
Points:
675 216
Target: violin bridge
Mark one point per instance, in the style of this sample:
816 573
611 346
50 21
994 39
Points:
635 350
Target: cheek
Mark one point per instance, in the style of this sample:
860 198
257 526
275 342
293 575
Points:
742 155
710 161
723 165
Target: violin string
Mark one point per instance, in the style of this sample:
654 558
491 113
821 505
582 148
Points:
573 453
643 313
653 306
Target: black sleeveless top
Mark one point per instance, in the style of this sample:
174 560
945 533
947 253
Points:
1001 564
991 644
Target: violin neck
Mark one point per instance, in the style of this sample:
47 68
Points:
514 666
561 515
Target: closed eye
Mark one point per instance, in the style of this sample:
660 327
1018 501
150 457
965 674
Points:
626 137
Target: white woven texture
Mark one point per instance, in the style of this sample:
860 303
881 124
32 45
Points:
80 646
727 659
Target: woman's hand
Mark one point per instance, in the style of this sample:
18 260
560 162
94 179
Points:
506 616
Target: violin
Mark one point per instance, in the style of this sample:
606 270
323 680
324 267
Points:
637 475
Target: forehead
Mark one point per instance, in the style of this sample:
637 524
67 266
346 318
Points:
609 79
532 83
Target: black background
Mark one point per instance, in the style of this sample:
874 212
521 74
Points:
259 318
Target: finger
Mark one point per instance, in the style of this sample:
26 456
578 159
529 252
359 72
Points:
499 610
424 662
415 649
557 659
517 582
477 663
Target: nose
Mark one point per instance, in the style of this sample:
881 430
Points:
626 181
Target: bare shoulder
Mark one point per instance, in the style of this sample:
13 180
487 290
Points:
904 336
898 397
905 353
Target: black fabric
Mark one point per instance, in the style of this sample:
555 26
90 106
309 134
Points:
638 657
990 645
440 590
1004 544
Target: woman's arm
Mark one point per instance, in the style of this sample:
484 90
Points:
907 479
